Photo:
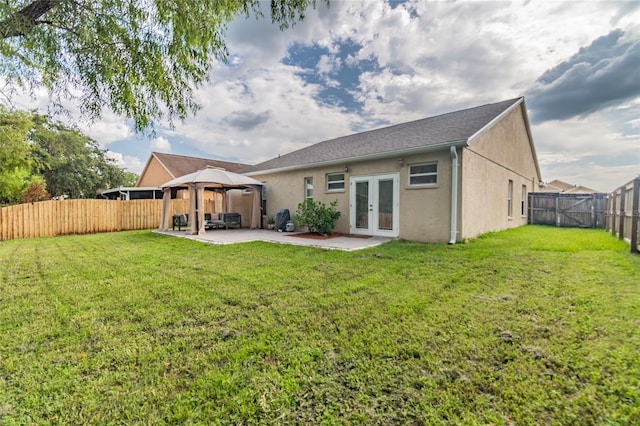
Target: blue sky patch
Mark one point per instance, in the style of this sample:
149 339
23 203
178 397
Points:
338 85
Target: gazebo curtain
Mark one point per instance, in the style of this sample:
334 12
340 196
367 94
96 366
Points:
200 212
165 214
255 207
196 210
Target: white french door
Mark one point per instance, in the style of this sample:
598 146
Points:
374 205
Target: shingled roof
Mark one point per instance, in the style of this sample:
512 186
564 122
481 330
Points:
180 165
454 128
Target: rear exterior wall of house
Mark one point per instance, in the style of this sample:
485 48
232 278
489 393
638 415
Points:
493 160
424 211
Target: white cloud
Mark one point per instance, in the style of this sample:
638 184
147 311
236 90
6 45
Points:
295 120
127 162
590 152
433 57
328 65
108 129
160 144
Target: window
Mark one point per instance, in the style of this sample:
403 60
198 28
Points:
423 174
335 181
523 201
308 187
510 199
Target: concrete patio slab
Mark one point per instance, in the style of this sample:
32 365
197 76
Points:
233 236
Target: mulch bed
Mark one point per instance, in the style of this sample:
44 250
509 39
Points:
313 236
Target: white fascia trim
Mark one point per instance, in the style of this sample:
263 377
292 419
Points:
360 158
132 188
533 148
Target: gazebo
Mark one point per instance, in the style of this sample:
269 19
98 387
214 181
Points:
211 178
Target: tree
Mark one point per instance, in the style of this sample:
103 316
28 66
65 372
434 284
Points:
141 58
15 155
36 191
39 156
129 179
70 162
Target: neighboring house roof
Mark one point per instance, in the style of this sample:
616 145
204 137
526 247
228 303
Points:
180 165
561 186
579 189
454 128
557 186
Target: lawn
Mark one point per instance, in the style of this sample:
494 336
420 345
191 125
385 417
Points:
534 325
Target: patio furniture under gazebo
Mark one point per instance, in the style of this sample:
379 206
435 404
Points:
214 179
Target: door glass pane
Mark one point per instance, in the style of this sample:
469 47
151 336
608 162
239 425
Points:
362 205
385 204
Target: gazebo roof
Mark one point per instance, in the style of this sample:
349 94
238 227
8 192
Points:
212 177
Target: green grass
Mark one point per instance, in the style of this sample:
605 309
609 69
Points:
534 325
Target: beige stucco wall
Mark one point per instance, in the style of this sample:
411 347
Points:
500 154
241 202
154 175
286 190
424 212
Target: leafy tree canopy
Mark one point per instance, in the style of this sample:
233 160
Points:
15 154
40 157
141 58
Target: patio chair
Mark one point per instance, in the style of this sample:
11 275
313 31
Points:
180 220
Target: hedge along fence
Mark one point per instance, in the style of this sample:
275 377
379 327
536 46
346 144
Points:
51 218
623 214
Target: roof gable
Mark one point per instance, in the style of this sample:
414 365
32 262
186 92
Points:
180 165
428 133
557 185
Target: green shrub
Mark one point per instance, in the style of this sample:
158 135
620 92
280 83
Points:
317 217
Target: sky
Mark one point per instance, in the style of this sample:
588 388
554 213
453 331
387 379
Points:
361 65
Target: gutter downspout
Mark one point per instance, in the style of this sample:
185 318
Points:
454 195
124 196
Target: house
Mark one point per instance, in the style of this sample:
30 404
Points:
566 188
132 193
442 178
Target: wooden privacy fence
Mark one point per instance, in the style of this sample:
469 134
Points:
622 213
567 210
51 218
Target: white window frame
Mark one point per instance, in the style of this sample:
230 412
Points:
523 201
308 188
410 175
335 182
510 199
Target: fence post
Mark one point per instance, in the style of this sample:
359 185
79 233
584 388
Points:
613 196
623 193
635 215
593 210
